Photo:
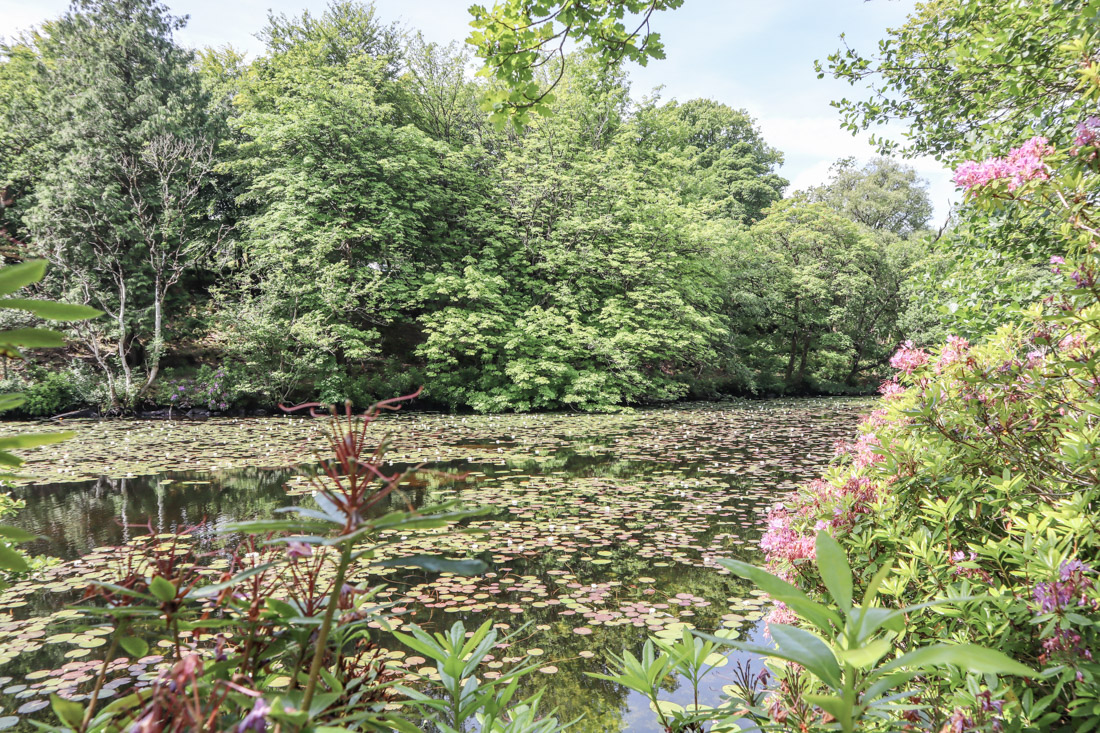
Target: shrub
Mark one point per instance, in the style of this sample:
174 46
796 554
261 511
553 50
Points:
979 474
210 388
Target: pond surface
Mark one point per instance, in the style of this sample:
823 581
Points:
603 529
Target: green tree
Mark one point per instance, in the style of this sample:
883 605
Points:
115 174
822 272
521 38
595 292
344 205
728 163
884 195
967 75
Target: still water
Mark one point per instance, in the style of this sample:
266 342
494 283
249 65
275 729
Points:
602 530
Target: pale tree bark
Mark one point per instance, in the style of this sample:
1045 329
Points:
165 218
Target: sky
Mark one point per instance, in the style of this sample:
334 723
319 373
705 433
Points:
755 55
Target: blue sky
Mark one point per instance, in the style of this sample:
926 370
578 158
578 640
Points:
752 54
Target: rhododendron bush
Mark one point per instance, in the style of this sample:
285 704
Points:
978 475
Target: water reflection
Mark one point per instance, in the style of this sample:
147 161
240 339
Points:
587 531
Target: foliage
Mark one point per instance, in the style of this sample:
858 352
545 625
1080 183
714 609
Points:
336 211
208 388
458 699
726 163
517 37
883 195
113 155
12 279
966 75
980 473
848 677
830 295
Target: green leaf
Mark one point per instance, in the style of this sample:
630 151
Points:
33 440
970 657
809 651
833 566
208 591
14 277
435 564
67 711
134 646
12 560
14 534
866 655
831 704
162 589
11 400
781 590
50 310
35 338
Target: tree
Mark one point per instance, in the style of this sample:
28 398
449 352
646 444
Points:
445 102
115 176
594 292
821 285
884 195
728 163
345 207
517 38
967 75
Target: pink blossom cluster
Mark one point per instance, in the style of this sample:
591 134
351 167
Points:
876 418
780 614
955 351
861 451
863 454
891 390
908 359
1073 342
782 542
1088 132
1022 164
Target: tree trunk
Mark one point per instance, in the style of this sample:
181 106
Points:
791 359
127 372
850 381
803 360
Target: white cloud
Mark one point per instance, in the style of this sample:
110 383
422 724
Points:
813 175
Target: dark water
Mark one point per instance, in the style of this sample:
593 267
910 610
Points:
593 530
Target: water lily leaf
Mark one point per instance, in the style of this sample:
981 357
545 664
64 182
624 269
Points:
435 564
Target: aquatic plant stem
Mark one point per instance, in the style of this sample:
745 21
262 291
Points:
326 625
101 678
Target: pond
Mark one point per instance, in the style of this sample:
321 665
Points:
603 529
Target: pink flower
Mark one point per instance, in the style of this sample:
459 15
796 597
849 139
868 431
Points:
1022 164
863 454
891 390
1073 342
908 359
876 419
779 614
295 550
954 351
781 542
1088 132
